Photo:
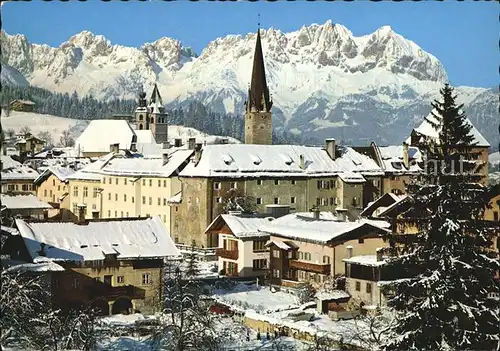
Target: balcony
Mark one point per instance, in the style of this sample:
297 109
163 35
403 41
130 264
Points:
311 267
113 292
229 254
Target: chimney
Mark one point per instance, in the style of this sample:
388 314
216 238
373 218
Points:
316 212
197 153
302 162
114 148
330 147
406 156
81 213
165 158
380 254
177 142
191 143
165 145
349 251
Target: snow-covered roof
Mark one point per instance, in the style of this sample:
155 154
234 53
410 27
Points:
9 162
381 202
246 160
331 295
147 166
400 200
48 266
243 226
392 159
60 172
426 128
176 199
18 202
128 239
26 102
365 260
294 226
13 170
101 133
351 177
352 161
279 244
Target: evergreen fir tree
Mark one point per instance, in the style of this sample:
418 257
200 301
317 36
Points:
444 302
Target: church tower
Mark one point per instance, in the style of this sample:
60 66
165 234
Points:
152 116
258 117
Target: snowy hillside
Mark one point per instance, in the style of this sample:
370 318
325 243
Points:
9 75
324 81
42 123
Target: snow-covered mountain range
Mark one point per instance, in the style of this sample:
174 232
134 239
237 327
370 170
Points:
324 81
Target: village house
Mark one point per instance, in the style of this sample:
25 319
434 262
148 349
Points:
25 206
22 105
310 247
242 247
113 265
17 178
364 275
29 145
52 187
426 133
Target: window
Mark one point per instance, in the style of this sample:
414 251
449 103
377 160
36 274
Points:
45 193
159 201
318 201
276 200
144 200
292 200
75 283
318 184
108 279
109 213
164 183
121 214
216 186
361 241
307 256
133 199
116 197
293 182
326 259
151 182
259 264
75 191
53 182
354 201
116 214
332 201
116 181
259 200
358 286
109 196
104 180
301 255
234 185
276 273
164 201
218 199
368 288
290 254
144 182
94 206
110 180
127 214
94 192
159 183
58 188
120 279
146 279
125 181
259 181
259 245
124 197
150 201
324 201
276 182
276 253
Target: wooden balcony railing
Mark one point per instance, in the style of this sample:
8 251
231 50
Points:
230 254
311 267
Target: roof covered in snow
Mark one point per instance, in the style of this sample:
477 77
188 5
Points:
383 201
13 170
297 227
243 226
352 161
246 160
331 295
365 260
34 267
426 128
101 133
393 161
128 239
18 202
60 172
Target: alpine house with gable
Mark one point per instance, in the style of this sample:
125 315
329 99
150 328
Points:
113 265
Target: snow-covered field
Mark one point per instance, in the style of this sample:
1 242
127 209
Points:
257 298
41 123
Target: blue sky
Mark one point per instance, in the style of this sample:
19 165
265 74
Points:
463 36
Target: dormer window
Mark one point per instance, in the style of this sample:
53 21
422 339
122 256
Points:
141 117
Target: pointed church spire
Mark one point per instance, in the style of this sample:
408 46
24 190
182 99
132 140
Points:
155 96
258 95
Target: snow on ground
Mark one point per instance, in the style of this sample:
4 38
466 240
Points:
258 298
40 123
